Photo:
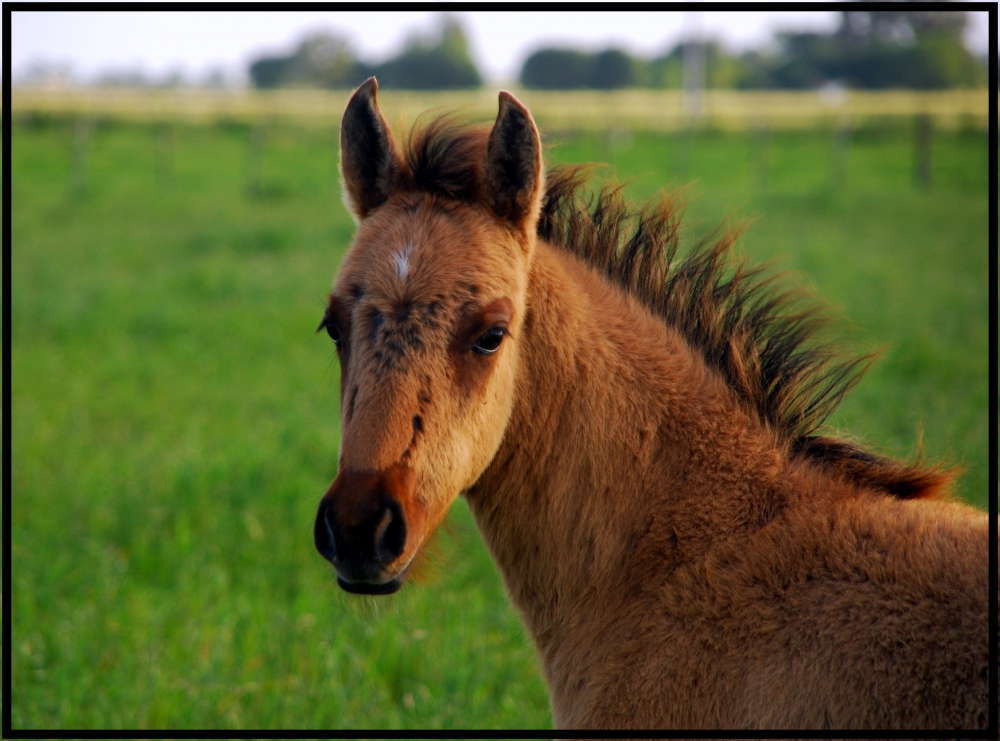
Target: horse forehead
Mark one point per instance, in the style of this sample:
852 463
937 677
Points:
420 256
431 253
415 269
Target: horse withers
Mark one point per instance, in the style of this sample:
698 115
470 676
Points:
635 434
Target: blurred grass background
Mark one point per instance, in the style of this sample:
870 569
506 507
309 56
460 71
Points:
174 420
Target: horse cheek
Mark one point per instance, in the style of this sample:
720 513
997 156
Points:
491 414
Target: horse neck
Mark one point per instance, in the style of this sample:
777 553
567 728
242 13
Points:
622 448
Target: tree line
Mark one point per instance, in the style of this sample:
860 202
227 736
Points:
325 60
869 50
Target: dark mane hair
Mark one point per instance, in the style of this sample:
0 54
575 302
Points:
763 340
444 157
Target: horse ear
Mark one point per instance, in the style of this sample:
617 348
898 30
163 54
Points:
513 176
369 164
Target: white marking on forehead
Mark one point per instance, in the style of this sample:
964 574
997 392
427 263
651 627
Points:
402 260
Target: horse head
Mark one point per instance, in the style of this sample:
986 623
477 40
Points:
425 313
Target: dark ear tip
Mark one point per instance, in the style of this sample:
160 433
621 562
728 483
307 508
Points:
366 90
509 101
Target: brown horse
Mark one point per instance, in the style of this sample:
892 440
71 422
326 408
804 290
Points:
634 433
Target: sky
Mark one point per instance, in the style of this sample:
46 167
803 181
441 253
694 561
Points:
196 43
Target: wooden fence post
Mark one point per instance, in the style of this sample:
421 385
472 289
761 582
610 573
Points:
253 158
922 164
684 143
83 131
839 153
164 154
760 152
336 157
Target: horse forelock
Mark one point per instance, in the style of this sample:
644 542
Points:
445 158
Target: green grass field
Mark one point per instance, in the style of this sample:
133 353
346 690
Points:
175 419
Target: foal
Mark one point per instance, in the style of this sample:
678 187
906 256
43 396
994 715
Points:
634 433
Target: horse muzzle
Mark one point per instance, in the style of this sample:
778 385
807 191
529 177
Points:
362 527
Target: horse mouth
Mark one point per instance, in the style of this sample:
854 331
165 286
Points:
361 587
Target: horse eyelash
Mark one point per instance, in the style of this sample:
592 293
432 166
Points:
322 325
325 324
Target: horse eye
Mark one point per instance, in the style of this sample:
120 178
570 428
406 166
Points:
331 329
489 343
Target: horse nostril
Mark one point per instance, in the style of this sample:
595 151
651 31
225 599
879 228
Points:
390 534
323 532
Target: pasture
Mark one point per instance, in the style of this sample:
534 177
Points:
174 420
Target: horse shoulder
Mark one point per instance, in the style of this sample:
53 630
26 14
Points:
844 612
872 612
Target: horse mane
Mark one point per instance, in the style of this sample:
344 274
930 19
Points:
764 341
